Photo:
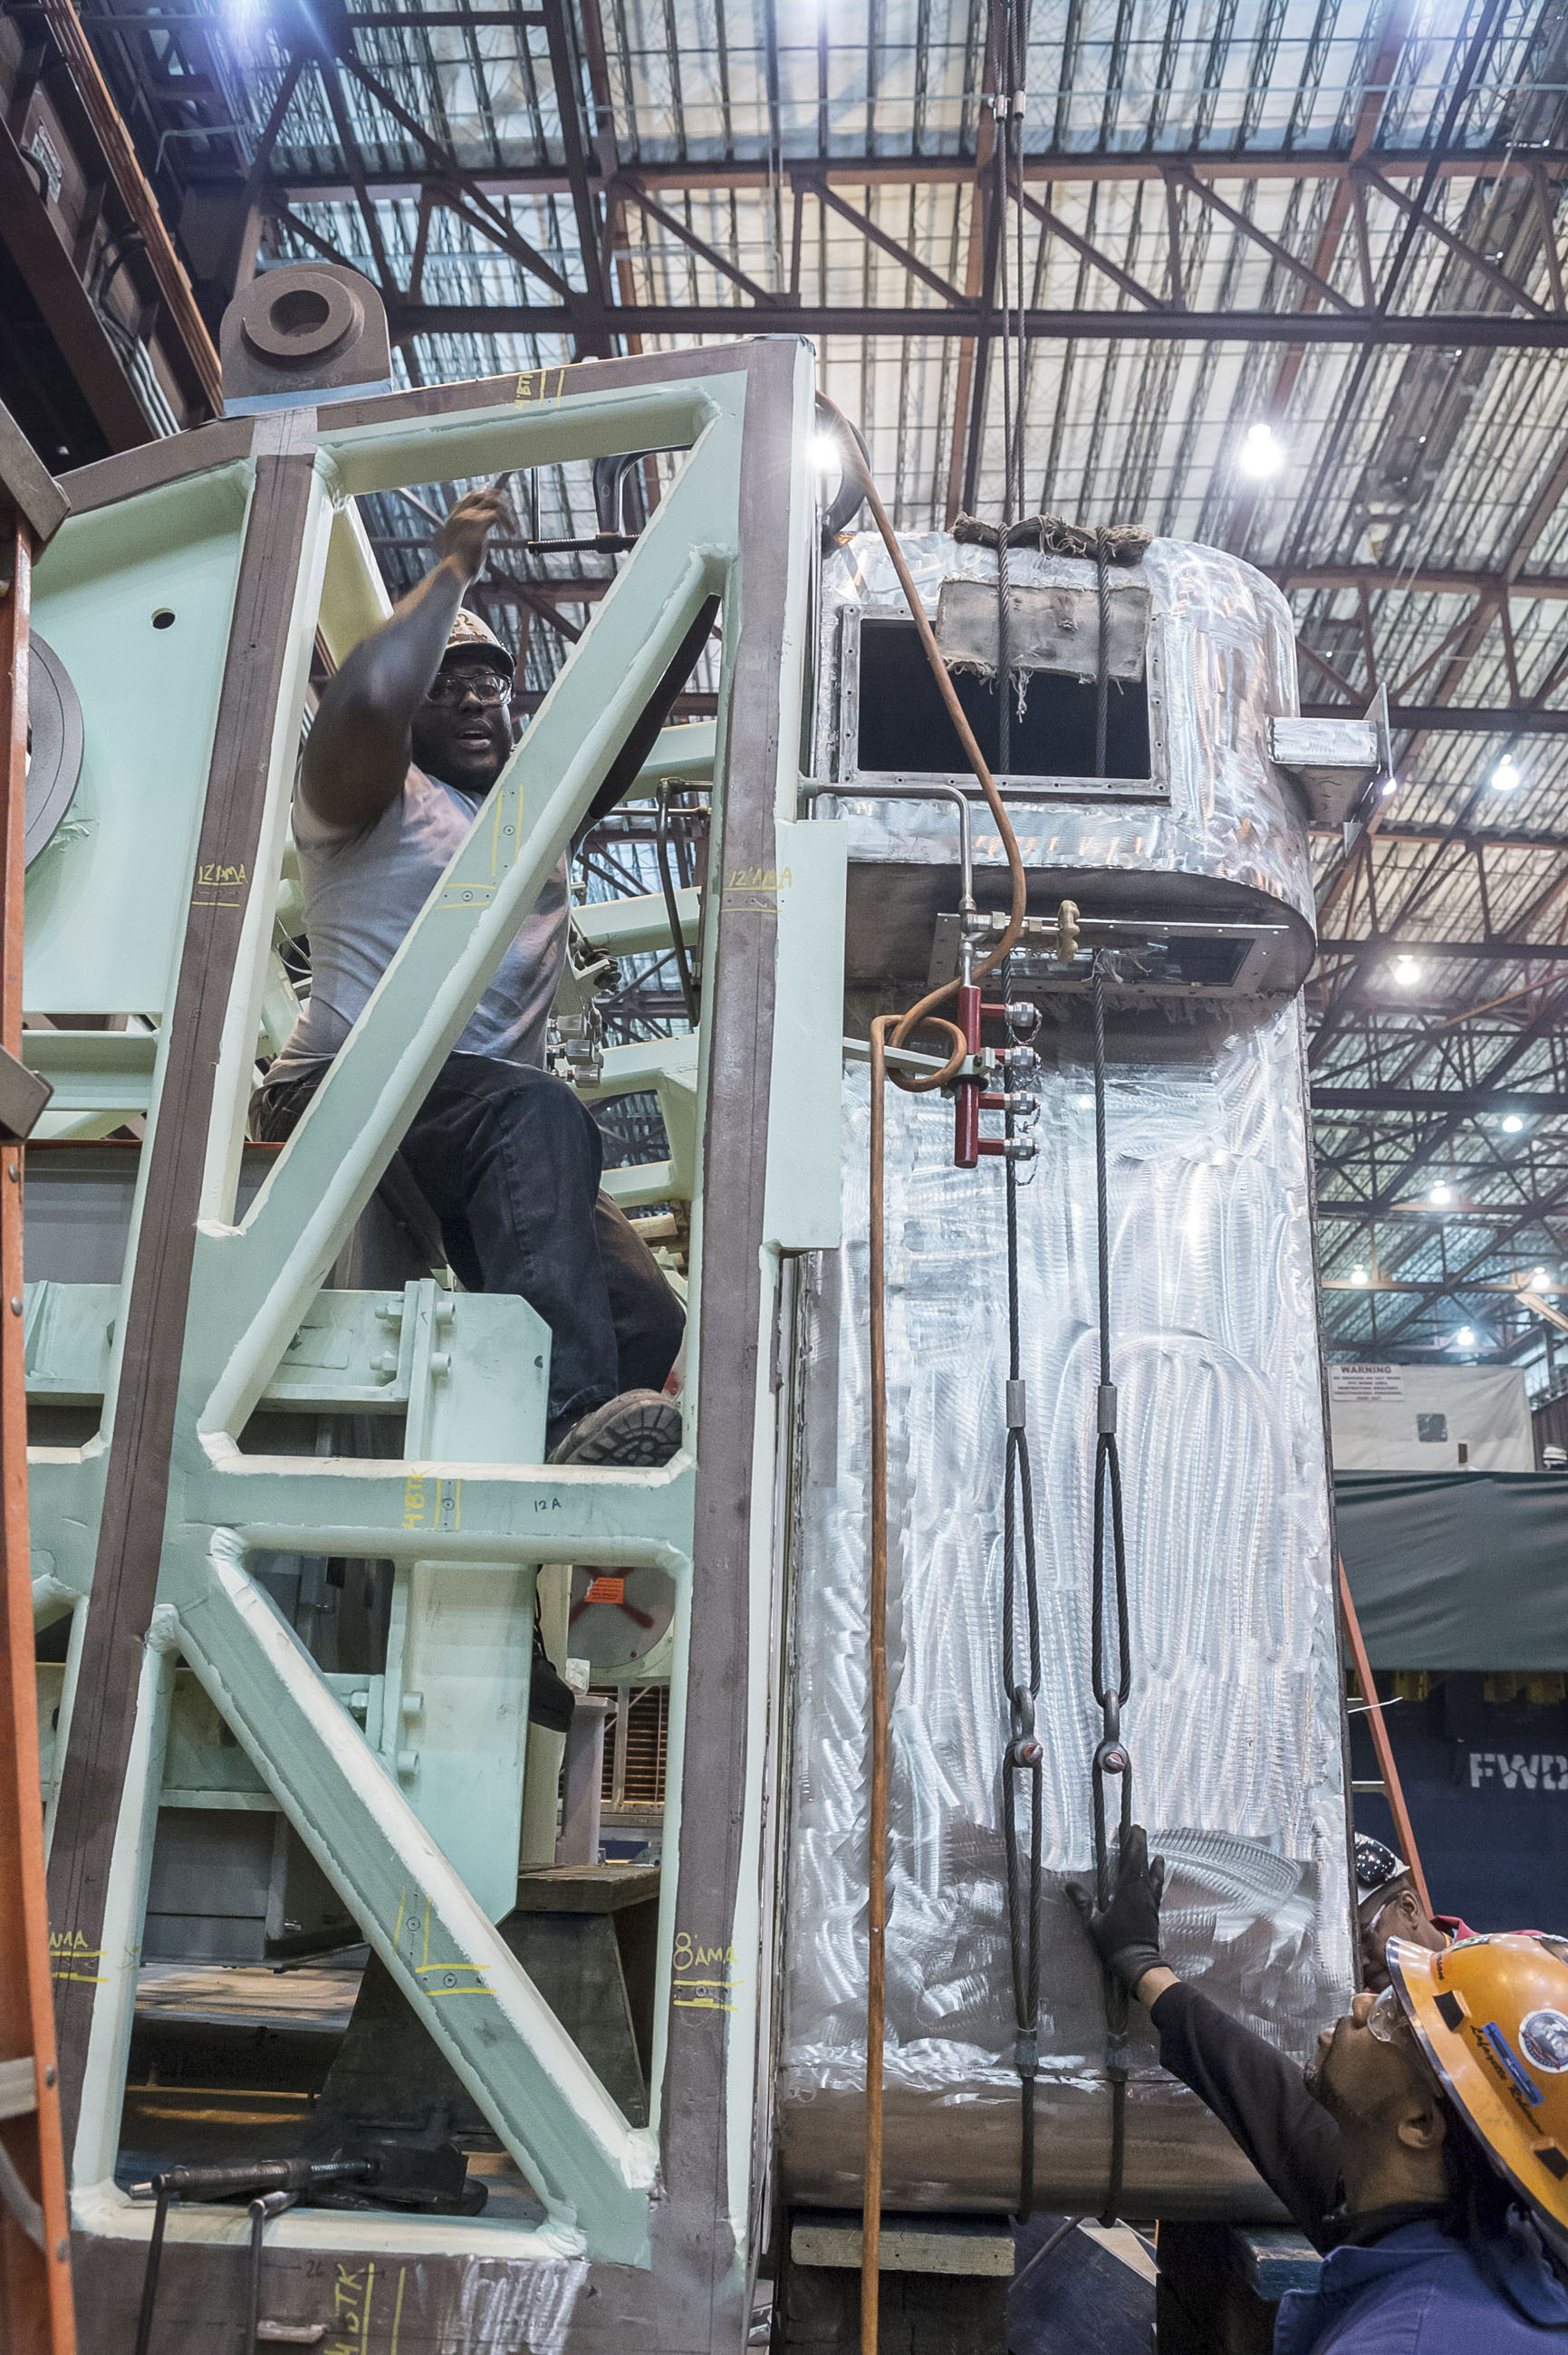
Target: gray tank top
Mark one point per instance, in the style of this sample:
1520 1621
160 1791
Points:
363 886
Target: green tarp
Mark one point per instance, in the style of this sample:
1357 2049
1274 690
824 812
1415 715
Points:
1458 1570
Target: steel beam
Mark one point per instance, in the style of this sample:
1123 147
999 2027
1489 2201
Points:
1457 718
1534 1103
1443 330
1495 950
1422 580
1051 167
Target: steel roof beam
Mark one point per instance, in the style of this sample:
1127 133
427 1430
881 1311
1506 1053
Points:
1386 944
1445 330
1456 719
919 170
1483 1214
1424 580
1537 1104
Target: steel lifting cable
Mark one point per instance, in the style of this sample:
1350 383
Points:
889 1032
1111 1688
1024 1754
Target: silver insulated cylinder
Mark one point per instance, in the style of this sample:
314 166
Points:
1235 1723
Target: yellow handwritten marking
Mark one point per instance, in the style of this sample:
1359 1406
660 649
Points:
480 1967
425 1962
403 1893
688 1954
397 2310
68 1947
539 378
351 2314
758 879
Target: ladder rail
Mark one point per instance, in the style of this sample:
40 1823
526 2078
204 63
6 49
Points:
36 2314
1393 1789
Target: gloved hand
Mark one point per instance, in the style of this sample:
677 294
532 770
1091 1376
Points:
1127 1933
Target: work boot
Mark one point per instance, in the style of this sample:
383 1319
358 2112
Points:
550 1699
639 1430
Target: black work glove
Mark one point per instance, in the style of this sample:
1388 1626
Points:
1126 1934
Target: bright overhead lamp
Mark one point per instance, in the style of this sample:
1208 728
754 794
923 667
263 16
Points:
1504 776
1391 787
1357 1274
1512 1124
1260 454
1440 1193
1406 971
1465 1337
1539 1279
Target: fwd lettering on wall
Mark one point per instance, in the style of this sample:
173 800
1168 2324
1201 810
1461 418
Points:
1543 1770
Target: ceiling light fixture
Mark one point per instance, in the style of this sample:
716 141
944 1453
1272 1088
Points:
1539 1279
1465 1337
1260 454
1440 1194
1357 1274
1404 972
1512 1124
1504 776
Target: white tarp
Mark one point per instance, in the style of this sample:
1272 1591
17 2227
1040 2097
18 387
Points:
1429 1419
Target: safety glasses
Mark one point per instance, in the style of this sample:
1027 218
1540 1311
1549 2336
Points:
1385 2017
451 686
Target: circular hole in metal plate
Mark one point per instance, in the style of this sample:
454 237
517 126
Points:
299 311
163 619
54 744
302 319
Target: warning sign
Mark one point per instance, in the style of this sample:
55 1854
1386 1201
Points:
1363 1384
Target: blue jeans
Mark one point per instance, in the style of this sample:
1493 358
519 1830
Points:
509 1159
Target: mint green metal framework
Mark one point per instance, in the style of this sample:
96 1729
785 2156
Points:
669 2203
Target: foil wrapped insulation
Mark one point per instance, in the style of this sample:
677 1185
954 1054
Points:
1235 1723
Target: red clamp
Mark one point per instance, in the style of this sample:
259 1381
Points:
966 1092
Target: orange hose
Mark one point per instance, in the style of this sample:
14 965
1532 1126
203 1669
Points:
894 1029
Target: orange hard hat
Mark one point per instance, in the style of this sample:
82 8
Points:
1492 2017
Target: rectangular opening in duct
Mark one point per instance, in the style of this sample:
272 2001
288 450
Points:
904 728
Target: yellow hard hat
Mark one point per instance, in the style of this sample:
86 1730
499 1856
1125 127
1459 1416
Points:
1492 2017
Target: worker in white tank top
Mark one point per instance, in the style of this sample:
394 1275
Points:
410 735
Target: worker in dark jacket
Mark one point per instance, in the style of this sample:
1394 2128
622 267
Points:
1425 2148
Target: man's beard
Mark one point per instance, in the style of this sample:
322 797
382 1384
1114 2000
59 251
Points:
1345 2114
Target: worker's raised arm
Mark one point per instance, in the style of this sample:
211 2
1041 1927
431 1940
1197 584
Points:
1258 2095
357 753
